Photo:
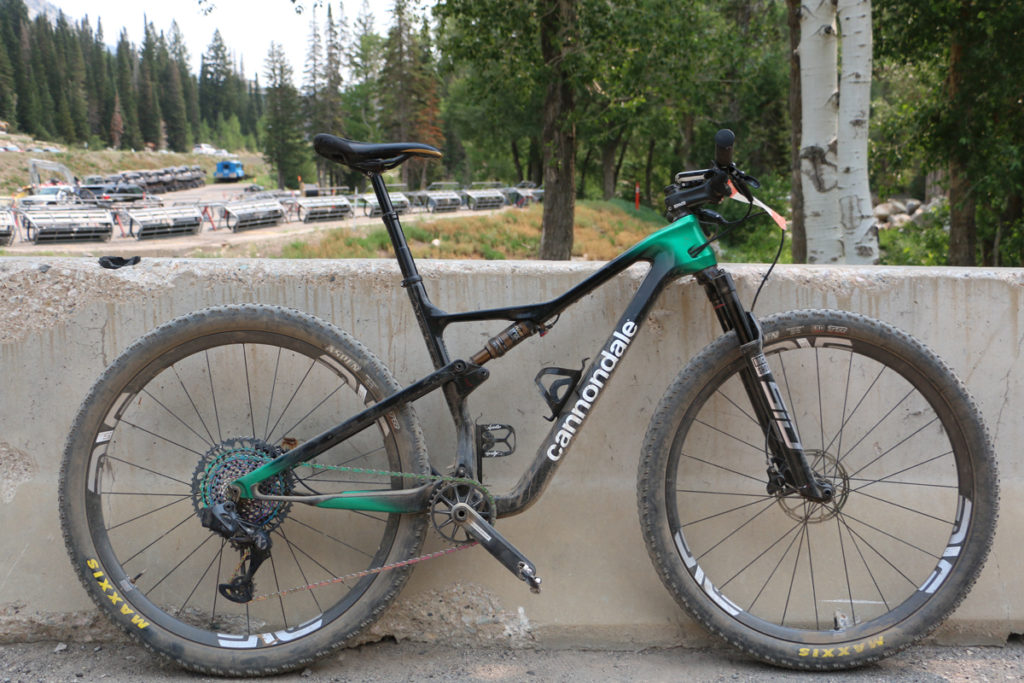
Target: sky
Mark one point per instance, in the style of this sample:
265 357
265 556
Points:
247 26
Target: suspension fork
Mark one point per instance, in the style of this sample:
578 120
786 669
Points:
759 383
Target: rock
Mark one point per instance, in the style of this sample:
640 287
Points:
884 210
913 205
898 220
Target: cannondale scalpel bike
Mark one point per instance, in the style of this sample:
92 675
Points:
247 488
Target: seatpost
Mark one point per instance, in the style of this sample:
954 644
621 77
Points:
394 228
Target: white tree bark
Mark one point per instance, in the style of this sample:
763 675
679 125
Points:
819 98
860 234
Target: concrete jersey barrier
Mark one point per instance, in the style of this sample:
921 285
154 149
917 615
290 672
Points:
63 320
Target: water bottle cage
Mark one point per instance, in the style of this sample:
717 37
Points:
558 392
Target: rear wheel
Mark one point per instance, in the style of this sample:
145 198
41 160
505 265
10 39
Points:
177 417
820 585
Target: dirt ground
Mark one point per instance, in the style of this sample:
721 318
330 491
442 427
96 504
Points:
120 663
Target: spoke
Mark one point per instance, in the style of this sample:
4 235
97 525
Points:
340 542
158 538
206 571
147 469
821 407
902 507
302 572
277 589
730 435
761 554
792 579
883 557
149 512
848 516
162 438
314 409
810 566
895 446
216 580
720 493
771 501
843 456
846 568
188 395
273 386
743 411
846 420
864 561
778 564
288 404
906 469
175 415
175 567
722 467
144 493
248 390
213 395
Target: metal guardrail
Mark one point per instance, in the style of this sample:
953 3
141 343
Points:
480 196
8 227
310 209
371 207
165 221
252 214
67 225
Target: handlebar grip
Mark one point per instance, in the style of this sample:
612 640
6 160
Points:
724 140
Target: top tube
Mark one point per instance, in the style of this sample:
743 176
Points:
676 239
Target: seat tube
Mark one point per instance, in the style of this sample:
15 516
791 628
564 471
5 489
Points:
394 228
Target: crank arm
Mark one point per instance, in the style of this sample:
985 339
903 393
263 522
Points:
496 544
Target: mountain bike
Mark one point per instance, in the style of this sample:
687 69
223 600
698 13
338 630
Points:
247 488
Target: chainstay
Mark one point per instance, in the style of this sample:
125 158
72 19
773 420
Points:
407 475
394 565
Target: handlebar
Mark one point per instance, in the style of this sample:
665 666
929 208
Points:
692 189
724 140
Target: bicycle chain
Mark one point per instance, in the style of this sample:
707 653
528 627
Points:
395 565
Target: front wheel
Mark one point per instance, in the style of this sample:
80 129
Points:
820 585
186 410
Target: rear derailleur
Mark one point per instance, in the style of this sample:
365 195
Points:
250 540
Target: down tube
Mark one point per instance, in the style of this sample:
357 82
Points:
591 387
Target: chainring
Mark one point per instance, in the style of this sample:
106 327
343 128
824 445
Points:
449 494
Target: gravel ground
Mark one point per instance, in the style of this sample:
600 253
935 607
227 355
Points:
120 662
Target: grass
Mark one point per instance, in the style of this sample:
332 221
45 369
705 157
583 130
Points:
603 231
84 162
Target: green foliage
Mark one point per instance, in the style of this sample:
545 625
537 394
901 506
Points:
283 144
921 243
949 102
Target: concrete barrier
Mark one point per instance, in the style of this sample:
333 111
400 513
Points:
63 320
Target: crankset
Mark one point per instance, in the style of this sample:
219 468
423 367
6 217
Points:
463 511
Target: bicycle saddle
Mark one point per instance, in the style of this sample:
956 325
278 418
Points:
370 157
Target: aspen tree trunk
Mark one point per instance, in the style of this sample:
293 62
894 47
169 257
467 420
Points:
819 95
860 234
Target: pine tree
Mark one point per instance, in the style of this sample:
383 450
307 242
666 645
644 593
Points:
116 123
189 88
282 142
126 63
214 72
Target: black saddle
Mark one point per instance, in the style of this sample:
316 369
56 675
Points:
370 157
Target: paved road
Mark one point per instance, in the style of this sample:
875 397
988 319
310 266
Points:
119 662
